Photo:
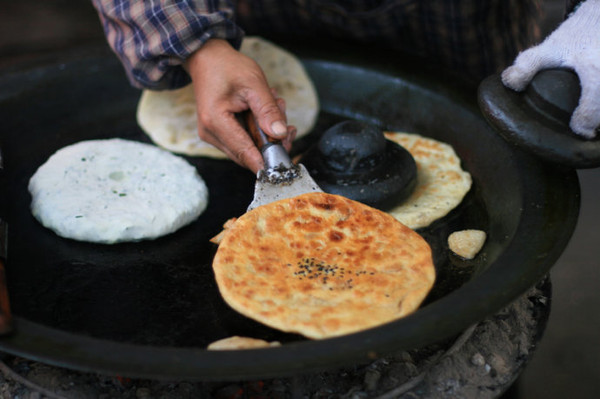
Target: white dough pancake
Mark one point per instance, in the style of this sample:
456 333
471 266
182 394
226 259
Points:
115 190
169 117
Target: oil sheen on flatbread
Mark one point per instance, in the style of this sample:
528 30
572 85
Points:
322 265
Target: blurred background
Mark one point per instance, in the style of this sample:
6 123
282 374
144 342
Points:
567 362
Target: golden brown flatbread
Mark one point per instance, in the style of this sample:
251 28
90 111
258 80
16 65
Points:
322 265
441 182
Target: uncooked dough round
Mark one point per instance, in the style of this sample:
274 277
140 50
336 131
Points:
115 190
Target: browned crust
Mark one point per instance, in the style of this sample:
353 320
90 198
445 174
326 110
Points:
322 265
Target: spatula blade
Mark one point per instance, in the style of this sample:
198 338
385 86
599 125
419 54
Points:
267 191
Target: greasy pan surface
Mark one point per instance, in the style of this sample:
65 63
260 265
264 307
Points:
149 309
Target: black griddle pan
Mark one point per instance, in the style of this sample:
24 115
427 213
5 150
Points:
149 309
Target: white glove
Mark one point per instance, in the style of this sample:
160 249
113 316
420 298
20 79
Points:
575 45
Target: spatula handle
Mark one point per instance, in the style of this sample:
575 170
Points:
273 153
259 137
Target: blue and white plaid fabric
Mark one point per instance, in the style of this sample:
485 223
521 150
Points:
473 37
152 38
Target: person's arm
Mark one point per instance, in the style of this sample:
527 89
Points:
164 43
226 83
574 45
153 38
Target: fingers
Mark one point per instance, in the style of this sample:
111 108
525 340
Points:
269 111
228 135
528 63
227 83
280 101
586 117
291 136
219 127
291 130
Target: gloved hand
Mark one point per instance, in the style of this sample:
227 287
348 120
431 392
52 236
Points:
575 45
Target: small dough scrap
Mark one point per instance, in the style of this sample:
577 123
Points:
227 225
237 342
467 243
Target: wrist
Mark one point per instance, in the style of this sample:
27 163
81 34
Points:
208 51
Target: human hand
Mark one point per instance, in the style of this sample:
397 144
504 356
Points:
575 45
226 83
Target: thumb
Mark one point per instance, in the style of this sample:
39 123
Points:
268 114
528 63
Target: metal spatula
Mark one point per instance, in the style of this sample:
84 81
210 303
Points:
280 178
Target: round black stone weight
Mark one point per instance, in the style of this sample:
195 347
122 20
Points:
355 160
537 119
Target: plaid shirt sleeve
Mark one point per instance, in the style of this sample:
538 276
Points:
152 38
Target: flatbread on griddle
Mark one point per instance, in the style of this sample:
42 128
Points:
169 117
322 265
237 342
441 182
466 243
